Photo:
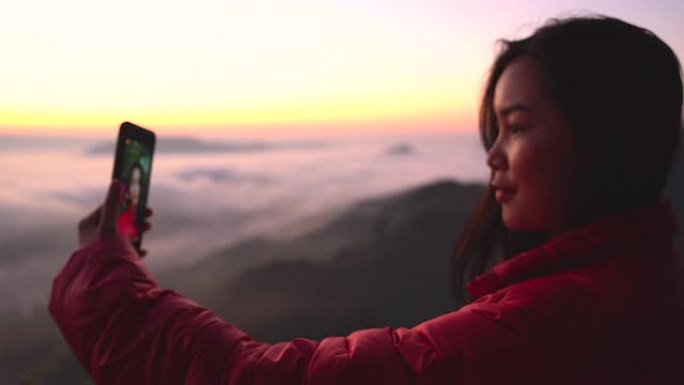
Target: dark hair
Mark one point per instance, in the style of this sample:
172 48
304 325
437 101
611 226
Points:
619 87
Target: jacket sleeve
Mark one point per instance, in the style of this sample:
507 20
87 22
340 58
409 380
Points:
124 329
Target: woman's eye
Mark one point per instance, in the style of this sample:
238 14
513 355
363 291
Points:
516 129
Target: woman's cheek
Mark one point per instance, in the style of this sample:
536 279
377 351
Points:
550 172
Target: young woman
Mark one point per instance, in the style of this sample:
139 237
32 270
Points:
126 220
568 262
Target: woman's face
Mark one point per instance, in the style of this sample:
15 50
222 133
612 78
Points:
134 185
533 158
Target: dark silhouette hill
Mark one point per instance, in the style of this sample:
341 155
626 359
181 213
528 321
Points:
382 263
186 145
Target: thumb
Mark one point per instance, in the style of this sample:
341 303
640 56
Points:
110 210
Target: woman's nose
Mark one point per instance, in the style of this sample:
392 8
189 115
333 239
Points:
496 160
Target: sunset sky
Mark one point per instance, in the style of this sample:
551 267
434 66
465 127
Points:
267 67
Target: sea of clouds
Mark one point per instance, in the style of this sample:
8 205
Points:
207 194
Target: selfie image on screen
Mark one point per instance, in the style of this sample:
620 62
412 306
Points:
135 175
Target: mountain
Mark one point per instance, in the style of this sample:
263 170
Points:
187 145
383 262
183 145
380 262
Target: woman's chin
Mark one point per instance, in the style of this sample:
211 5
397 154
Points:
514 220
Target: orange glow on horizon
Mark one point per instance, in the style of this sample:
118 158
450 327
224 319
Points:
410 102
424 125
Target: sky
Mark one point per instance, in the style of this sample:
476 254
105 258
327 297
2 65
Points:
267 67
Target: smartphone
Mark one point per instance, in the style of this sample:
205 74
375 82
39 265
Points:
133 167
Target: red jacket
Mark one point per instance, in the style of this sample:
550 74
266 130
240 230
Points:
594 306
128 228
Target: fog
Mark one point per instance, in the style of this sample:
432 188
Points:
206 194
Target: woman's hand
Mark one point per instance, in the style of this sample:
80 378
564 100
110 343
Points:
101 223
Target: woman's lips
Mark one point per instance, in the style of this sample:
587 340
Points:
504 196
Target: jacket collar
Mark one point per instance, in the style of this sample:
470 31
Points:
578 246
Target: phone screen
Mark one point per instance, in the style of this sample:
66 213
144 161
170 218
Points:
133 166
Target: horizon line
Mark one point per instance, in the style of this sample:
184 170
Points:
285 129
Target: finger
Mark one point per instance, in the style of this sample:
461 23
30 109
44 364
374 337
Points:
111 207
91 220
147 226
143 253
148 212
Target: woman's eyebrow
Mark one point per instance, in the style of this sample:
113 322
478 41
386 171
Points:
513 108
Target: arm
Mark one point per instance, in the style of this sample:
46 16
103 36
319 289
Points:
124 329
